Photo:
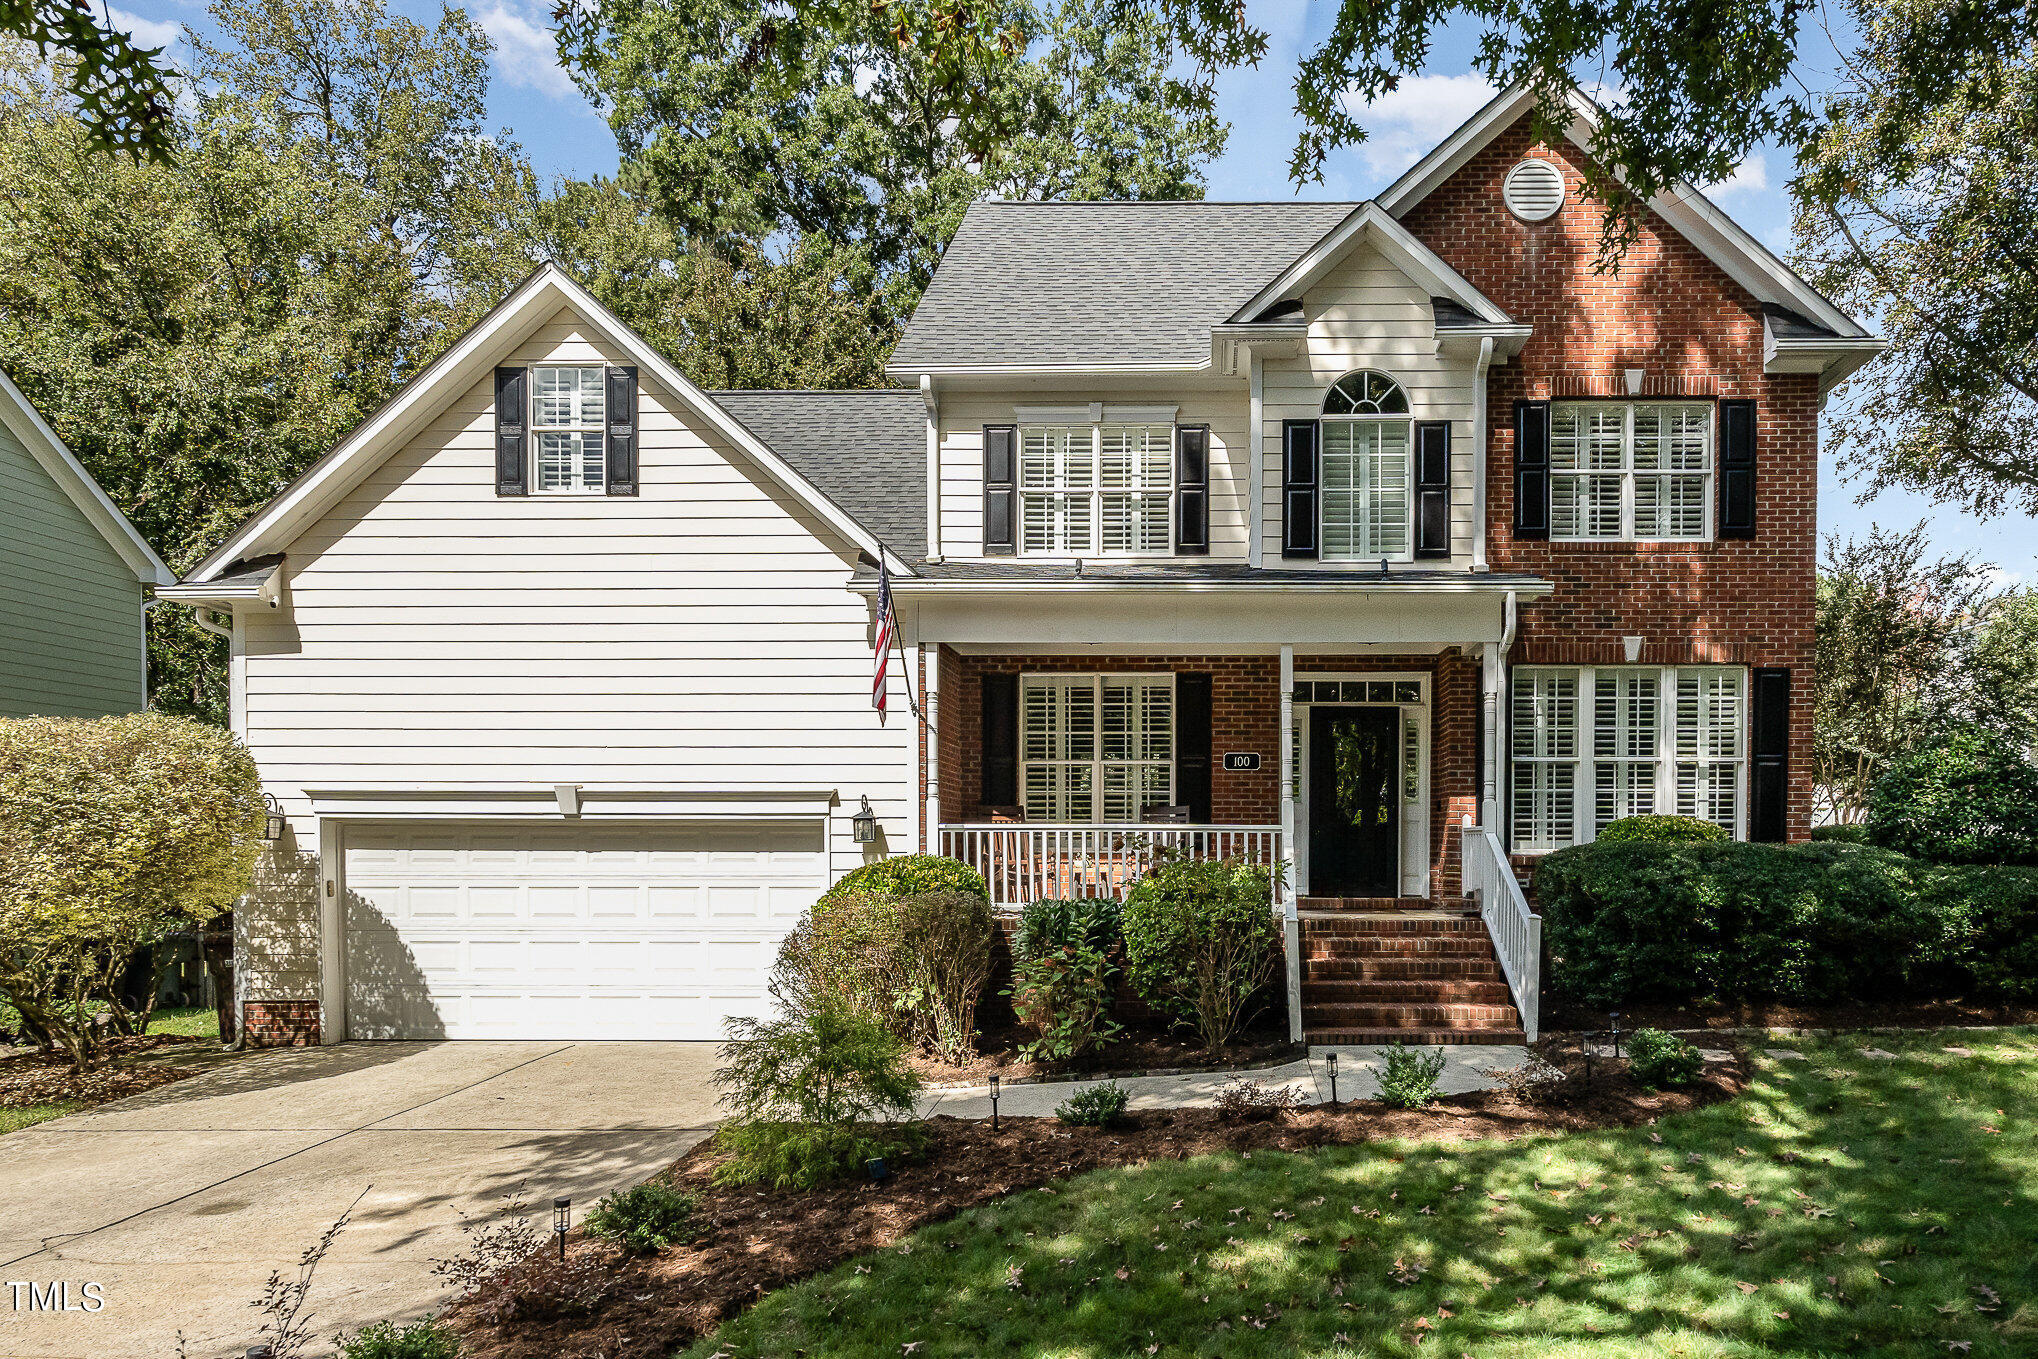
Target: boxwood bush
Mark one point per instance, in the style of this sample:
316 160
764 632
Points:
1969 799
1200 940
904 875
1659 829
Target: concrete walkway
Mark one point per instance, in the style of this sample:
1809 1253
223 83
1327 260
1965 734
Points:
1358 1077
180 1202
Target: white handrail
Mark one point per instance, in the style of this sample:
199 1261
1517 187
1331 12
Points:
1516 931
1034 861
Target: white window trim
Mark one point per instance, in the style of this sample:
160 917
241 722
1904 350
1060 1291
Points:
534 477
1098 417
1585 763
1408 489
1627 472
1097 762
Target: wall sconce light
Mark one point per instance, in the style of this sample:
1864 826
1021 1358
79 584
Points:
994 1103
1330 1062
864 823
272 824
562 1218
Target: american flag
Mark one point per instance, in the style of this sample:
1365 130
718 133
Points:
878 679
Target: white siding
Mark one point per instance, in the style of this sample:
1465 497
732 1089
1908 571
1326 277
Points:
70 609
437 636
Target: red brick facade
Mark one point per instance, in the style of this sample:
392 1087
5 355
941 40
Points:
280 1023
1692 331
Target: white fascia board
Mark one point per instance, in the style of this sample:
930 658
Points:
961 589
472 355
264 591
25 422
1412 257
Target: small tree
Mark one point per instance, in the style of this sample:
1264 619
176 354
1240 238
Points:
114 832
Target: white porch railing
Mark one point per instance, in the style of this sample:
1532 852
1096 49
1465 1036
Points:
1034 861
1516 931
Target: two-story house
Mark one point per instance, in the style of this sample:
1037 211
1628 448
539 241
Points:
1388 541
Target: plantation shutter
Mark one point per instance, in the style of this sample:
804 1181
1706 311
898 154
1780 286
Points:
512 407
1298 488
1000 714
1000 492
1433 488
1192 743
1192 490
1769 774
621 470
1737 469
1531 469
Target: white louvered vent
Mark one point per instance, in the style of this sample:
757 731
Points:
1534 190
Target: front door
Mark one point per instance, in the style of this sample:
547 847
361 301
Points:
1354 810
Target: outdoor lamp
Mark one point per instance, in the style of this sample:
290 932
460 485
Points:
994 1103
1330 1061
1614 1015
865 824
562 1218
272 824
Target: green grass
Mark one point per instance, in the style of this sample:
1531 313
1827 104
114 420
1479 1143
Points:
1845 1205
14 1118
196 1021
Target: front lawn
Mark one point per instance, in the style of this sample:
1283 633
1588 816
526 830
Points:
13 1118
1845 1204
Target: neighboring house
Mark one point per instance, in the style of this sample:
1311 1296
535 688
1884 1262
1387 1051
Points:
74 580
1386 539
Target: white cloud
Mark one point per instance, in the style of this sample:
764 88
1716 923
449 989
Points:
526 53
1403 126
1750 176
146 32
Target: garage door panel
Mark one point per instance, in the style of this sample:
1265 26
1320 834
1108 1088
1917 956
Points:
583 931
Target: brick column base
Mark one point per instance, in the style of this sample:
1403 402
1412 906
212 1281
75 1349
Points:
281 1023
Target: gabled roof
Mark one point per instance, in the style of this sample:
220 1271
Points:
471 358
1367 223
1100 286
866 450
1715 235
26 424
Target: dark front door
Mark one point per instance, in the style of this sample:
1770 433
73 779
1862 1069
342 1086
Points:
1354 804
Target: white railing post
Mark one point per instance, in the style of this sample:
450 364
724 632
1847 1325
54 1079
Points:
1517 932
1026 863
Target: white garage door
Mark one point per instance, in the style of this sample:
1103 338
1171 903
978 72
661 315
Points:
575 931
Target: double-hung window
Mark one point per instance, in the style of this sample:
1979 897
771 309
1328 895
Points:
1593 744
1631 471
1368 473
1096 489
567 428
1096 747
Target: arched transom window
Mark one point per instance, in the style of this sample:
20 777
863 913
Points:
1368 441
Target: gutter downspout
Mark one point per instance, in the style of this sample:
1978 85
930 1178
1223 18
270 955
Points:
1495 682
933 405
1479 455
1255 466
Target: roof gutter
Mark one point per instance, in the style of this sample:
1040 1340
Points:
1479 457
933 405
923 588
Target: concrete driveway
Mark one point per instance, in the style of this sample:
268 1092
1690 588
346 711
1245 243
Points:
179 1203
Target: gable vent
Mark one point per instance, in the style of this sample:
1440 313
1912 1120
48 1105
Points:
1534 190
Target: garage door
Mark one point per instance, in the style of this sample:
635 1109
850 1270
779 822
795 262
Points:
575 931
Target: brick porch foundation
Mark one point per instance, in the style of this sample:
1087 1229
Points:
280 1023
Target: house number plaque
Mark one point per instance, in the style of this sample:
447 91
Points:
1241 761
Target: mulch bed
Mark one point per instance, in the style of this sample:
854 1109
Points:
757 1241
1915 1014
36 1077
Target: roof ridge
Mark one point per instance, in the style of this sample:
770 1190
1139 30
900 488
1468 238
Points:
812 391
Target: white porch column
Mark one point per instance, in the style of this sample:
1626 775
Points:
930 731
1291 924
1493 676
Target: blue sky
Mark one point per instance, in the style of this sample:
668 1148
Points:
533 99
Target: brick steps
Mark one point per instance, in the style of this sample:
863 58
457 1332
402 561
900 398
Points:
1333 967
1353 1038
1409 1015
1316 946
1388 905
1324 994
1422 976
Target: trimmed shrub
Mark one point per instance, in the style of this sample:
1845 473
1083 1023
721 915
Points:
1657 1059
1199 942
423 1340
945 945
644 1220
1972 799
809 1155
1094 1106
1659 830
1088 922
1997 935
905 875
1838 833
1061 976
1410 1080
845 952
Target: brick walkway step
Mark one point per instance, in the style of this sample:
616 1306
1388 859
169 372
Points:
1398 905
1340 967
1333 922
1407 1016
1429 991
1336 1038
1374 946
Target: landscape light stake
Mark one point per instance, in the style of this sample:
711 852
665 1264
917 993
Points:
994 1103
1330 1061
1585 1043
562 1218
875 1168
1615 1017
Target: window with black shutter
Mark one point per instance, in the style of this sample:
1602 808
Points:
1432 488
1531 469
1000 736
1769 749
1192 490
1298 488
512 416
1193 698
1737 469
622 431
1000 491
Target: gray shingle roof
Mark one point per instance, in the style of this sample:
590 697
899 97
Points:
1789 325
865 450
1027 284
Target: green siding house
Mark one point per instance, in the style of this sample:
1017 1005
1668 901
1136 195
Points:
74 576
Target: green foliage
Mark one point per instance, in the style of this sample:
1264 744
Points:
1657 1059
120 91
1971 798
383 1340
946 941
1410 1080
1659 830
1992 914
808 1155
1839 834
1064 997
114 832
1048 925
645 1219
904 875
1200 939
1094 1106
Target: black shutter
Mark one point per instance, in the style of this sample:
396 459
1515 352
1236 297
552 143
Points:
512 407
1298 488
1737 469
622 451
1001 456
1432 488
1192 744
1769 778
1531 469
1192 490
1001 740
